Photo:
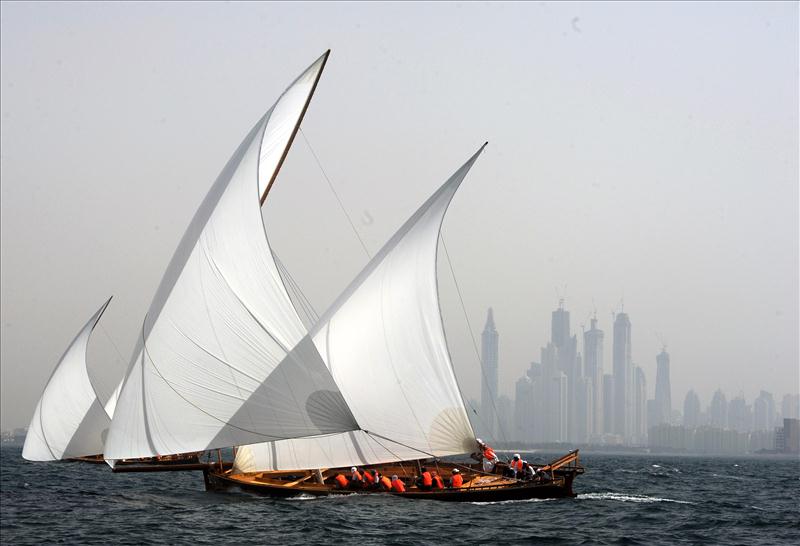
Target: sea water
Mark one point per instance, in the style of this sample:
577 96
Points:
622 499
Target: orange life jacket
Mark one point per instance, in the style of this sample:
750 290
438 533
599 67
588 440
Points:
516 465
458 480
341 480
488 453
369 477
386 483
398 486
427 480
439 482
356 477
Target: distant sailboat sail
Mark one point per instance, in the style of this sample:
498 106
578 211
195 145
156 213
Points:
384 343
221 359
69 420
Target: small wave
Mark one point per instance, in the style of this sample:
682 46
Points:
656 466
303 497
628 498
520 501
727 477
628 471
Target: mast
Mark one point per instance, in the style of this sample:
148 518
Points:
296 127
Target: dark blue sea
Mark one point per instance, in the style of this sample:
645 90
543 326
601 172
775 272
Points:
622 499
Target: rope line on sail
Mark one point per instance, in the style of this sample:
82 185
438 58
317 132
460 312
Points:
336 195
116 349
305 304
474 343
399 459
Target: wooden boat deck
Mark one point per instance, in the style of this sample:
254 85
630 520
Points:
477 487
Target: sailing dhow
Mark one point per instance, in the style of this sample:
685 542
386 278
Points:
224 360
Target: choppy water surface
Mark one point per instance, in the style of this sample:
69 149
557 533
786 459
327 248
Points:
622 499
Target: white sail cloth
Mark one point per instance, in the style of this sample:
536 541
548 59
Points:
69 420
221 360
385 345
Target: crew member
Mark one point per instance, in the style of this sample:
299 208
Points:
457 480
341 481
488 457
425 480
356 480
370 479
385 483
516 466
397 485
438 483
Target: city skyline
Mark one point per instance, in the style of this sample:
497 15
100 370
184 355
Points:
556 399
658 343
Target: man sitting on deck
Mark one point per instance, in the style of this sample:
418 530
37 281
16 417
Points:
457 480
397 485
425 480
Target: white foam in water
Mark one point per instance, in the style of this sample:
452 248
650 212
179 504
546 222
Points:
627 498
512 501
302 497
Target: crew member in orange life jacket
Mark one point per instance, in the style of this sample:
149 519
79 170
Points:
355 479
386 483
516 466
488 457
369 478
457 480
438 483
397 485
425 480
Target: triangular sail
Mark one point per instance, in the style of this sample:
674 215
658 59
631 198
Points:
384 342
220 360
69 420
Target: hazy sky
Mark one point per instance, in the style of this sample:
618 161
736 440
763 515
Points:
645 153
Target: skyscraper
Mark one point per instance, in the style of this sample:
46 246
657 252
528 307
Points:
559 334
691 410
764 412
593 369
740 418
790 406
718 411
639 407
608 403
663 398
623 377
489 361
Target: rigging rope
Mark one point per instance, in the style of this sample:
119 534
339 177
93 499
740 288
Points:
474 344
338 200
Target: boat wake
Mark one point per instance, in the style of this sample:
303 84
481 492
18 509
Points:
517 501
628 498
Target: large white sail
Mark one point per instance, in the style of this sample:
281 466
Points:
222 358
69 420
384 343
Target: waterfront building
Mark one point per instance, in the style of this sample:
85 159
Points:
764 412
593 370
489 366
623 377
718 410
639 407
740 418
691 410
663 399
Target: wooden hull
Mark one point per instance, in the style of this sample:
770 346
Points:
478 486
91 459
